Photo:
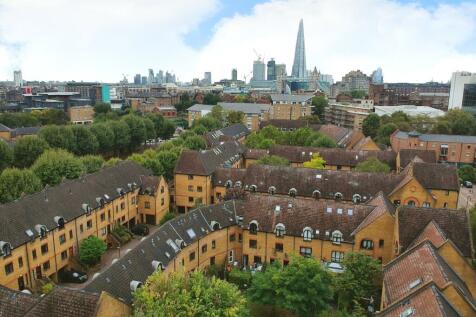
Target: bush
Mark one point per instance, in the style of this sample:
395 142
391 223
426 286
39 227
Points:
242 279
92 163
91 249
47 288
168 216
140 229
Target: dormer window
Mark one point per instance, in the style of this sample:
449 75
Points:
337 237
293 192
42 231
338 196
272 190
229 184
135 285
100 201
307 234
316 194
253 188
87 209
59 221
356 198
238 184
120 191
5 248
280 230
253 227
157 265
215 226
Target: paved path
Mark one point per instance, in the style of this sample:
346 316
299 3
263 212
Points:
111 254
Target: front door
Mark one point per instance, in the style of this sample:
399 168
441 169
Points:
21 283
38 272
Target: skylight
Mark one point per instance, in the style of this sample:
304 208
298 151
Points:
173 245
329 209
415 283
191 233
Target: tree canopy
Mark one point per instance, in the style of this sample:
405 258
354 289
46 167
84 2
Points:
6 155
179 294
320 103
27 149
15 182
54 165
91 249
372 164
235 117
316 162
273 160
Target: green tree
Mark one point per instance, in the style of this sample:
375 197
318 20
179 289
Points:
179 294
137 130
185 103
303 287
384 132
370 125
102 107
460 122
320 103
58 137
51 116
15 182
373 165
467 173
168 216
91 249
316 162
211 99
235 117
472 221
6 155
16 120
85 141
273 160
167 130
217 113
199 129
122 137
27 149
92 163
324 141
209 122
104 135
150 129
360 280
54 165
358 94
113 161
167 159
195 143
257 141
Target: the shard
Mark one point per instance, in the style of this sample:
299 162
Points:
299 66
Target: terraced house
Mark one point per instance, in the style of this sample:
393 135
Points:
420 184
40 233
262 228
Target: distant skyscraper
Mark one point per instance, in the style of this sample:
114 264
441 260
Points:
271 70
137 79
144 80
207 78
259 70
17 78
377 76
160 77
326 78
299 65
280 70
463 92
151 78
234 74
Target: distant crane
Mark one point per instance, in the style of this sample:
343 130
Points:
259 56
247 76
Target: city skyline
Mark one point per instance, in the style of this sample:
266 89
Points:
426 40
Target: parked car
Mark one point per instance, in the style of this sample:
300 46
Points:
72 276
140 229
335 267
468 184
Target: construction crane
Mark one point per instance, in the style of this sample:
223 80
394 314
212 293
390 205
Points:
247 76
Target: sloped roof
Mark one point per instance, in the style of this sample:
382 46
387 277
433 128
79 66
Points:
4 128
136 265
14 303
332 156
407 155
433 233
419 265
307 180
247 108
290 98
207 161
427 301
436 176
65 200
439 137
454 224
255 154
383 206
229 133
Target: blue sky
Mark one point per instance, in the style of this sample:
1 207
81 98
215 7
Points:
189 37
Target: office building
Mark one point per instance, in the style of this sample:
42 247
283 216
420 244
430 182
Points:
353 81
151 78
326 78
144 80
259 70
159 77
234 74
137 79
17 78
281 70
207 78
463 92
299 65
377 76
271 69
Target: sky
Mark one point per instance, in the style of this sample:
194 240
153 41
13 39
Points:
411 40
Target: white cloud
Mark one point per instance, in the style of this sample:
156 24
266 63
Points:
100 40
97 40
409 42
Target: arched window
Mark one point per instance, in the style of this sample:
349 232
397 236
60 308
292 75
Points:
5 248
316 194
356 198
272 190
253 188
367 244
238 184
307 234
336 237
293 192
228 184
253 227
338 196
411 203
280 230
215 226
